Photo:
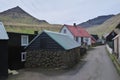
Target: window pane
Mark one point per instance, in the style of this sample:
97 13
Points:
23 56
24 40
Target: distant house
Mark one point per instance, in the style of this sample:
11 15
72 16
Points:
52 50
16 44
77 33
116 49
95 36
3 52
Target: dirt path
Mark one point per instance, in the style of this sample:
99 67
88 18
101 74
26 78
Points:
97 66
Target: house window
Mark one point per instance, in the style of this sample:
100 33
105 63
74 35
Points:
24 40
64 30
113 34
86 39
76 39
23 56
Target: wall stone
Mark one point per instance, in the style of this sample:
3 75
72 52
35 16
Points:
52 59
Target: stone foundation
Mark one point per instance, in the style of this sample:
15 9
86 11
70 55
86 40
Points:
52 59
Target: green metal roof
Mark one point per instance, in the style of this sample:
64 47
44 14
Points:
3 33
65 41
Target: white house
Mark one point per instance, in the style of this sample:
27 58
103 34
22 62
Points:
77 33
116 50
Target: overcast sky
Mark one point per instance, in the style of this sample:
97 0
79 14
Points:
64 11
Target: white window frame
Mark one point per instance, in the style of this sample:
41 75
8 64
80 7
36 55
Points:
27 38
23 56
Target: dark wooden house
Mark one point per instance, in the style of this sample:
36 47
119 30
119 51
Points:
16 44
52 50
3 52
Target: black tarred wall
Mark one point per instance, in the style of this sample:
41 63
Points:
3 58
15 49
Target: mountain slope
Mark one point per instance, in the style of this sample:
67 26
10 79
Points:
17 20
17 15
106 27
96 21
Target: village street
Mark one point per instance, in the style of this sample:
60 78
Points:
96 66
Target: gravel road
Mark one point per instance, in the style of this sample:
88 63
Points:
96 66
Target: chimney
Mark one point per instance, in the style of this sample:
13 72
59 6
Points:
74 24
36 32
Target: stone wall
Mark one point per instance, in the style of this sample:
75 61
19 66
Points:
52 59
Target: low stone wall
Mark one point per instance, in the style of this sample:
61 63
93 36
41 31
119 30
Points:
83 51
52 59
109 49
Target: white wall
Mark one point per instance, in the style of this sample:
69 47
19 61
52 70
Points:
88 40
71 35
119 46
79 40
115 45
67 32
109 49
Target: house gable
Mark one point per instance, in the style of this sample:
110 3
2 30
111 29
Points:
68 32
78 34
52 40
44 41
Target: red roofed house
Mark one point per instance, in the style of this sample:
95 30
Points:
77 33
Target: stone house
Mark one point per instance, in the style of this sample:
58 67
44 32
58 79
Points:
52 50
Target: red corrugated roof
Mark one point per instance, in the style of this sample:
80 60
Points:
78 31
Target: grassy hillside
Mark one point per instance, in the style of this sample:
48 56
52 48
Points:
96 21
106 27
17 20
17 15
30 29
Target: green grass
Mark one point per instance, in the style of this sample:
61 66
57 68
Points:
106 27
17 20
31 28
115 62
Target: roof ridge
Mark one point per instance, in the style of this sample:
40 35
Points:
53 32
78 31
